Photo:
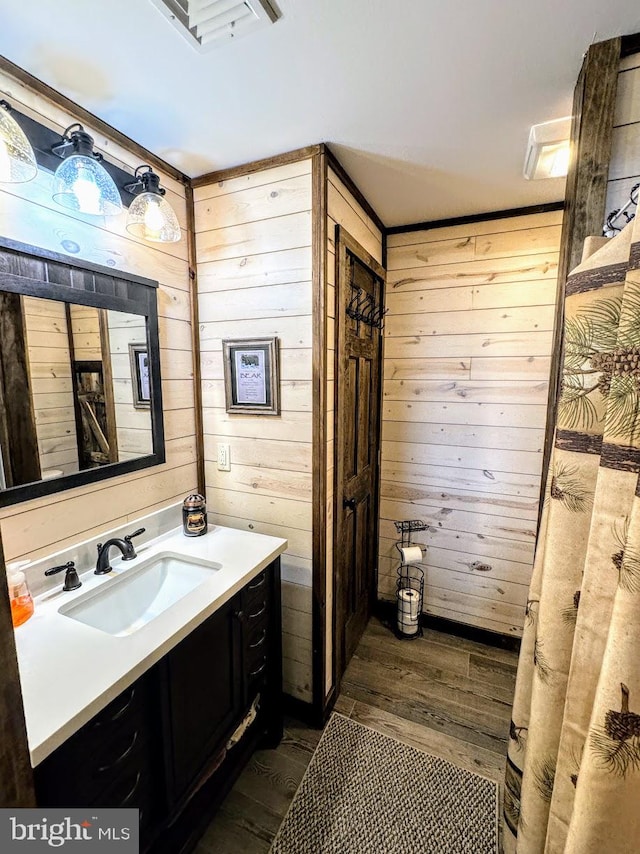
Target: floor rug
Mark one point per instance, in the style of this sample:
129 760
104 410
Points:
366 793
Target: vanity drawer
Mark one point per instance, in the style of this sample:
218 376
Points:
256 590
89 775
256 614
257 640
103 734
123 707
126 754
256 676
92 759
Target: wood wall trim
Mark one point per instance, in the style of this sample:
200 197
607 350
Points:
629 45
481 217
348 181
594 103
256 166
195 337
319 178
94 121
383 258
16 776
107 381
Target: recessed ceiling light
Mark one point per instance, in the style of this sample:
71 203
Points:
548 150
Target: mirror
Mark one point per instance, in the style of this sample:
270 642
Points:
79 381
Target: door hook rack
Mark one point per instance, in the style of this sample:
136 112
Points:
362 306
619 217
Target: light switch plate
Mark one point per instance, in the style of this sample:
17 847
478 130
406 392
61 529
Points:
224 457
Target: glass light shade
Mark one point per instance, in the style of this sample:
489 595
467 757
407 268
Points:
82 184
151 217
17 160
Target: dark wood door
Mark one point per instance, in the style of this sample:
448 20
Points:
360 292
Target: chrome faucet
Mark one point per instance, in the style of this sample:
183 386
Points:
126 547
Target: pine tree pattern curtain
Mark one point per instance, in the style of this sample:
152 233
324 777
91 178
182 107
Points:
572 782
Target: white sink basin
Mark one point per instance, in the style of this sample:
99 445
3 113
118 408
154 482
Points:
128 601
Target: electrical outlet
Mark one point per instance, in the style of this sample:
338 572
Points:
224 457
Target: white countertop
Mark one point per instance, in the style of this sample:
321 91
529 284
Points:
69 671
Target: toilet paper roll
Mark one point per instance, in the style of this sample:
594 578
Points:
411 554
409 602
408 611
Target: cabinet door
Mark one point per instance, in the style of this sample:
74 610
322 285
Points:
204 682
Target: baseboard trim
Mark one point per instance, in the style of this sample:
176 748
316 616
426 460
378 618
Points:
386 612
302 711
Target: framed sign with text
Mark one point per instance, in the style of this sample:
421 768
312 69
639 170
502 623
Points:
140 380
251 379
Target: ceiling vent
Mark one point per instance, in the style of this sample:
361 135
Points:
210 23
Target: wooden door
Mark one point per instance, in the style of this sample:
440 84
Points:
360 291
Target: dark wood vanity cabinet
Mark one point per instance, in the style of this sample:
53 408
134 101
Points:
165 744
202 681
113 760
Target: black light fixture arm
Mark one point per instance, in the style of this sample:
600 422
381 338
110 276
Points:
75 140
146 181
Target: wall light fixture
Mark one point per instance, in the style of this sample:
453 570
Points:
17 159
150 216
548 150
84 181
80 182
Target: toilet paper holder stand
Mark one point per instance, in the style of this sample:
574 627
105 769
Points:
406 528
410 583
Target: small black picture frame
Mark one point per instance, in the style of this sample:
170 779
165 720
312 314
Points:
140 378
251 376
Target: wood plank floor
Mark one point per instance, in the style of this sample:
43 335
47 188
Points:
445 695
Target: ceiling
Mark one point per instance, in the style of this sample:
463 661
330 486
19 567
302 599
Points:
427 103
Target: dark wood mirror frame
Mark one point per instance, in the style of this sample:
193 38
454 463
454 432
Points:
35 272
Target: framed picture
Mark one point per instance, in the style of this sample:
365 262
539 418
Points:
251 379
139 358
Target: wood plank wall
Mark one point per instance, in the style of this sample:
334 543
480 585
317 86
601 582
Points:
27 214
253 241
85 328
45 324
624 169
133 425
342 209
467 356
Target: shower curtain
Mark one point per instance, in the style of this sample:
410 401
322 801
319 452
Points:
572 782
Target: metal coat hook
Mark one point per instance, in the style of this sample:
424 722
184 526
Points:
612 227
362 307
354 304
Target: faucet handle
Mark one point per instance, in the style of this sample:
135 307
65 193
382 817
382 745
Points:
55 569
71 580
137 533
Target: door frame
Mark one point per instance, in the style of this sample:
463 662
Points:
16 775
346 243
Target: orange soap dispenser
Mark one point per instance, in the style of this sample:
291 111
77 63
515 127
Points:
19 594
